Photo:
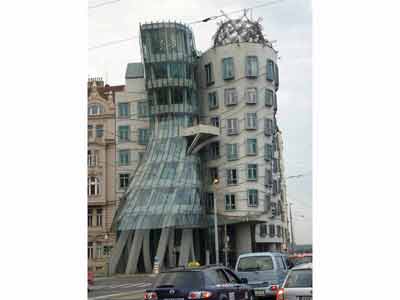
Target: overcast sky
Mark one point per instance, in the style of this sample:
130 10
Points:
288 22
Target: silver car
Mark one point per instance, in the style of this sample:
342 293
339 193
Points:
298 284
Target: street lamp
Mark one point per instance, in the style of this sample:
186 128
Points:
215 182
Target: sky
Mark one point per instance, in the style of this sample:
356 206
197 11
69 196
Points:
288 22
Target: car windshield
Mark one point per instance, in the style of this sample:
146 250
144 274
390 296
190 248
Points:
302 260
299 279
179 280
255 263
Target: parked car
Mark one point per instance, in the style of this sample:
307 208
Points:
298 284
299 259
265 272
207 282
90 279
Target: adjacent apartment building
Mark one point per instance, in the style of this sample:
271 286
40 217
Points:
101 172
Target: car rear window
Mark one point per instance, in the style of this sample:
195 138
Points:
182 279
299 279
255 263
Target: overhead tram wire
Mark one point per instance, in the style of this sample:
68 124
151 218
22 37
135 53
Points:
103 4
190 23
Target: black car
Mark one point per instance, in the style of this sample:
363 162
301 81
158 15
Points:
208 282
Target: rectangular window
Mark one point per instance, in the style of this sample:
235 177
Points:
251 95
214 121
252 172
251 120
232 126
143 136
251 146
268 178
90 131
230 202
269 98
90 217
123 133
212 101
213 174
123 110
274 187
232 176
278 230
275 166
228 68
213 151
270 70
210 201
209 74
276 75
271 230
99 250
230 96
273 209
92 158
124 157
263 230
143 109
267 202
251 66
169 170
99 131
268 152
268 127
232 151
252 198
90 249
99 217
141 155
123 180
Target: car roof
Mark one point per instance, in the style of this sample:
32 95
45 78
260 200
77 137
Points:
261 254
303 266
193 269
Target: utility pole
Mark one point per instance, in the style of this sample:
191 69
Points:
291 227
216 225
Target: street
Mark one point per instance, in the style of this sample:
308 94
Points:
120 287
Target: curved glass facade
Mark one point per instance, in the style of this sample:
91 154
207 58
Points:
166 188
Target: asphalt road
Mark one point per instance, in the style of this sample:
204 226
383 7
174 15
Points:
120 287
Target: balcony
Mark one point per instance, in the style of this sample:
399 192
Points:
199 136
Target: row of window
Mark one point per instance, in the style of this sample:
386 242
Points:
251 123
124 157
124 133
99 131
95 217
265 229
124 109
251 70
101 250
95 109
251 96
94 187
230 200
233 151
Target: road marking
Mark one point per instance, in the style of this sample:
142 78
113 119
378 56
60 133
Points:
118 294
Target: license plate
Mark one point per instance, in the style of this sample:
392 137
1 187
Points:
304 298
259 293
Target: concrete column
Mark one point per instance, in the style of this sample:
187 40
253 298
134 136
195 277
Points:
162 245
146 251
186 245
117 251
171 246
134 252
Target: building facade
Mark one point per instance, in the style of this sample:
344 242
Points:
101 172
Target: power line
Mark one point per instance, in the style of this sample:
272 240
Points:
113 42
103 4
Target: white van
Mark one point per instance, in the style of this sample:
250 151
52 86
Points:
264 271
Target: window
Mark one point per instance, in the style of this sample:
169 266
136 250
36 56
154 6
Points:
255 263
269 98
231 276
107 250
209 74
90 131
92 158
210 201
252 172
123 133
275 166
273 209
90 217
215 277
228 68
251 66
251 120
230 96
99 131
276 75
232 126
271 230
142 109
232 176
123 180
143 136
268 127
99 249
270 70
252 198
268 178
169 170
93 186
212 100
278 231
124 157
123 110
90 249
267 202
251 146
232 151
263 230
230 202
181 279
301 278
99 217
214 121
214 150
213 174
268 152
251 95
95 109
141 156
274 187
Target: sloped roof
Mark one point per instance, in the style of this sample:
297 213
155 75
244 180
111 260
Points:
134 70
